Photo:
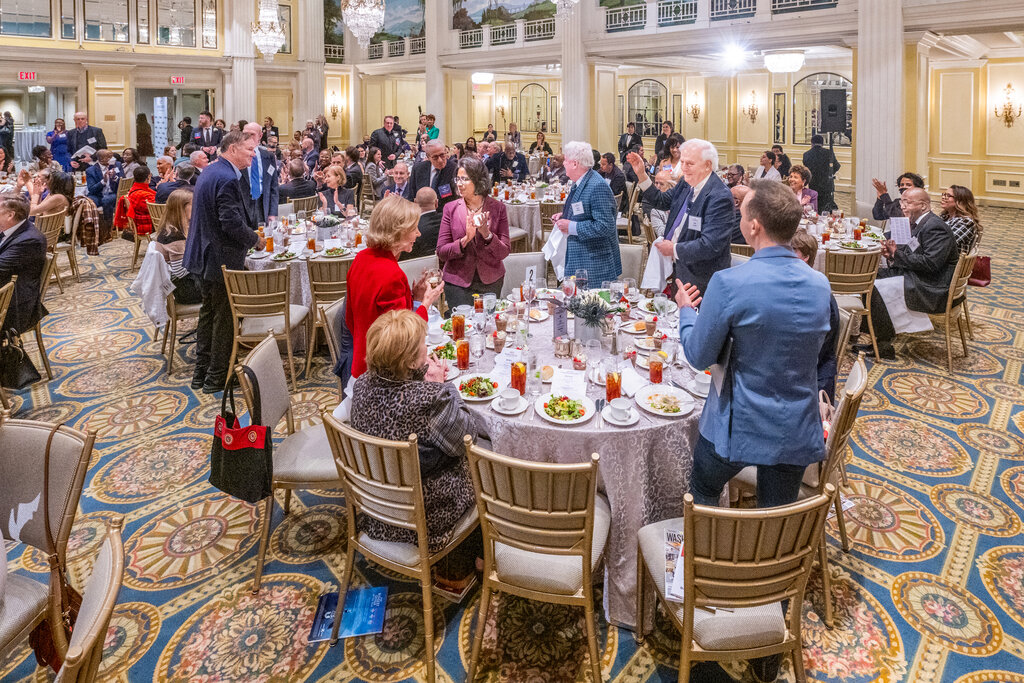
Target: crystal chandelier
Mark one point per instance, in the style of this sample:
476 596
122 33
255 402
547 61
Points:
363 18
267 33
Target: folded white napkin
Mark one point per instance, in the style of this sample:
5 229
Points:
903 319
631 381
659 268
554 251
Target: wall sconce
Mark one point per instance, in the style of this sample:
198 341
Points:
500 108
695 107
750 110
334 104
1007 114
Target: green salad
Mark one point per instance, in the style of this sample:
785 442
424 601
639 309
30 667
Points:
564 408
284 256
478 387
445 351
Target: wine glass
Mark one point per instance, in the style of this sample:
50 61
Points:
477 344
300 216
581 278
529 294
615 288
631 291
661 304
568 287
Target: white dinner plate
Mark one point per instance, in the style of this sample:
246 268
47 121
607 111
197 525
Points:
644 396
513 296
634 417
539 315
451 373
477 399
588 411
522 405
469 326
258 255
282 260
344 252
647 307
629 328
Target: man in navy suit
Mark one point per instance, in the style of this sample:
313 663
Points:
206 137
701 214
219 235
22 253
511 165
101 181
184 176
263 178
84 135
437 172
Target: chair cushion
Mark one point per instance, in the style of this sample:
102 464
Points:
186 310
305 456
516 234
258 326
407 553
62 246
556 574
24 600
849 302
739 629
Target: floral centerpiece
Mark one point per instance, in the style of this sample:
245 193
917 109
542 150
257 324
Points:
592 313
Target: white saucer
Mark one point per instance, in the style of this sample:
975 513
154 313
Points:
258 255
451 373
633 418
520 407
692 387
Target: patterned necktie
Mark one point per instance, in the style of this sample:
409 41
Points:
255 185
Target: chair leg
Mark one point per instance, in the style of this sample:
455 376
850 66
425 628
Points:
73 261
3 399
156 338
231 362
291 359
287 501
343 591
478 637
684 663
967 317
963 338
135 255
310 344
826 581
172 335
871 329
798 662
641 568
949 346
42 350
595 656
268 514
56 274
428 623
841 522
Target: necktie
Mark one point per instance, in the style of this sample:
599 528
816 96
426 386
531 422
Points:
680 216
255 180
433 178
206 136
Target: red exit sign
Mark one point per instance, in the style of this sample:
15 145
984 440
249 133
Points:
177 80
26 75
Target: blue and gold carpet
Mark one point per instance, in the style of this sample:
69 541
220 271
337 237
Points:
932 589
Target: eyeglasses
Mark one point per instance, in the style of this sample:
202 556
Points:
439 155
946 195
459 180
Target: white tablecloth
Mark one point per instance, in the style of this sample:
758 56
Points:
25 139
526 217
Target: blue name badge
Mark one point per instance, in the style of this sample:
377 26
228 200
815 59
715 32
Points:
445 190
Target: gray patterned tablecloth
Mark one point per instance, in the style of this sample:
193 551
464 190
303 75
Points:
645 469
527 217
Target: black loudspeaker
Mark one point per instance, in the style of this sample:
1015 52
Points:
833 111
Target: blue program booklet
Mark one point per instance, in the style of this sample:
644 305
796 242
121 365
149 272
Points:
363 614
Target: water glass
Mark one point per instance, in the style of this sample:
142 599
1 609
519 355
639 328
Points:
631 291
616 289
581 278
661 304
477 344
490 303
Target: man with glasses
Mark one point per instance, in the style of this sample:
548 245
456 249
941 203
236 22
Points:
926 265
386 139
885 207
510 165
734 175
437 172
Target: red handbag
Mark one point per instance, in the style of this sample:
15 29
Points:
981 274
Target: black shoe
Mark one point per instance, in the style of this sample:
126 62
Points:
765 669
198 381
885 352
213 386
866 348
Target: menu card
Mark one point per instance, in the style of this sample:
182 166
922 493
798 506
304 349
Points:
560 322
899 229
572 383
332 243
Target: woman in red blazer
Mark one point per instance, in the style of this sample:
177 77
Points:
375 282
473 239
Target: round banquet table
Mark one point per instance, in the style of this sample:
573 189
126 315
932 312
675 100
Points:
526 216
644 469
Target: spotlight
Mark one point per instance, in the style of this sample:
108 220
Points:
733 56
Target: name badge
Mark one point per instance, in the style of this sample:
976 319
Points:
694 224
608 182
91 141
913 244
577 208
445 190
515 164
270 171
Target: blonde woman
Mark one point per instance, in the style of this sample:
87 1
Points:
376 283
335 197
170 242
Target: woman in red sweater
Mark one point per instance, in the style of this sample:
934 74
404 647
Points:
376 283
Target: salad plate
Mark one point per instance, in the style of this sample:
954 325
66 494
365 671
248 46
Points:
258 254
284 256
852 246
664 400
562 410
335 252
647 306
446 326
478 388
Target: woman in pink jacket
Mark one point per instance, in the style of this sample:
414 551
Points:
473 239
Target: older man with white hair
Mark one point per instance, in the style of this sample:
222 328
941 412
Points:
199 160
588 218
261 183
437 172
700 218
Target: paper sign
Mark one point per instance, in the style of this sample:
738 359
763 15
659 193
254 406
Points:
560 322
571 383
899 229
694 224
332 244
531 274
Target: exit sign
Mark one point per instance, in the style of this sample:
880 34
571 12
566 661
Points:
177 80
26 75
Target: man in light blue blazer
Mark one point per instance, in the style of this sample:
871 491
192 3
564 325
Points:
763 324
588 219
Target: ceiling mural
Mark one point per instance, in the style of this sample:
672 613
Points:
467 14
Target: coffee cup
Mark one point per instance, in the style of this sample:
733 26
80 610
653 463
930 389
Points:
620 408
702 380
509 398
436 336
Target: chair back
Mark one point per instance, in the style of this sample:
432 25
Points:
745 558
329 319
7 294
415 267
516 266
852 272
258 293
633 257
381 478
22 458
328 278
633 193
51 226
618 203
49 267
645 224
958 285
736 260
846 319
275 401
539 507
123 185
843 421
547 210
156 214
741 250
366 196
85 649
76 222
306 204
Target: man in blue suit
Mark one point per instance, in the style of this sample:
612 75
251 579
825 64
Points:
219 235
263 179
700 218
101 180
761 325
588 218
22 255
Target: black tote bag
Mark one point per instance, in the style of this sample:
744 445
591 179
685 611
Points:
241 459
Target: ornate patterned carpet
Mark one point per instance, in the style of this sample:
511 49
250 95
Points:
932 590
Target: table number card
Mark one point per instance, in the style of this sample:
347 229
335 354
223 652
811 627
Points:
559 322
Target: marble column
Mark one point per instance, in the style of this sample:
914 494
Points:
356 128
575 97
435 16
310 100
879 109
238 101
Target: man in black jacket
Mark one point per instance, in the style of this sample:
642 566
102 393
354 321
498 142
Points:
926 264
885 207
299 186
823 165
614 176
386 139
437 172
84 135
510 165
22 253
430 225
627 140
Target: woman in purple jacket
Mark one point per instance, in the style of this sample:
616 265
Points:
473 239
